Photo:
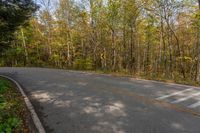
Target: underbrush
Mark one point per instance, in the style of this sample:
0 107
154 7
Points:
13 111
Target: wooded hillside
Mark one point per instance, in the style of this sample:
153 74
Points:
152 38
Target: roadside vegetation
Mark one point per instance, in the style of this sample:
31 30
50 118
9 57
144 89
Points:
151 39
13 112
153 77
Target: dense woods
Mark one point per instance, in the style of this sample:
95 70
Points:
152 38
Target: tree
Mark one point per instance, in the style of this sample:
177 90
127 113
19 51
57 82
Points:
152 38
198 46
12 15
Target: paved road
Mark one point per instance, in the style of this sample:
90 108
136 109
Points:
77 102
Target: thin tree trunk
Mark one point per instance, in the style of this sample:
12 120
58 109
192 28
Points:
198 52
179 52
132 58
25 48
199 4
114 49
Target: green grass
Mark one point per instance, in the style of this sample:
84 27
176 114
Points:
12 109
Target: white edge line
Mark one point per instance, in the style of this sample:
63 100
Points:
186 98
194 105
173 94
30 107
172 84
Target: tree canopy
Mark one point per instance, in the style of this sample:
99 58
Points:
13 13
158 39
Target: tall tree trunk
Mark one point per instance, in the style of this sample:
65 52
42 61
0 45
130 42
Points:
114 49
138 58
24 46
164 49
180 54
132 58
198 50
160 46
199 4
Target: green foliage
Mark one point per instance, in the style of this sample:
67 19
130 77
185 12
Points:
12 15
10 124
9 120
157 38
83 64
3 86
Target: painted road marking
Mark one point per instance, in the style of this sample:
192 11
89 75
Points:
195 105
173 94
186 98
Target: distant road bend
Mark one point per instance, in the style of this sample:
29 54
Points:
78 102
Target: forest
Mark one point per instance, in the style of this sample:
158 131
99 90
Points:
155 39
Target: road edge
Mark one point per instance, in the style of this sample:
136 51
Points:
109 74
36 120
135 78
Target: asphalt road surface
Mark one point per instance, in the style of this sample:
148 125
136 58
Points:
78 102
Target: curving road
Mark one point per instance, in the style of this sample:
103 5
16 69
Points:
78 102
